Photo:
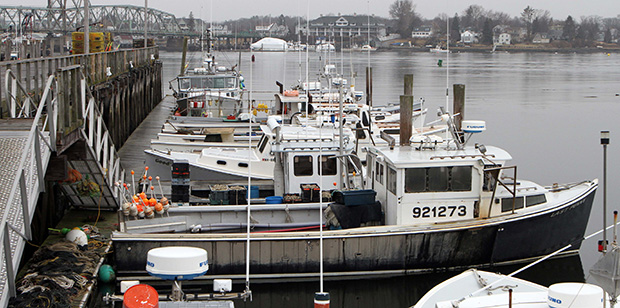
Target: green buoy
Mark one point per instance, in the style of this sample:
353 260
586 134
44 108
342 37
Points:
106 273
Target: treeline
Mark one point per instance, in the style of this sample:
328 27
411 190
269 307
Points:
404 19
475 18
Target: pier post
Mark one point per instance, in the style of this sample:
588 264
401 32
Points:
369 86
406 111
409 84
458 104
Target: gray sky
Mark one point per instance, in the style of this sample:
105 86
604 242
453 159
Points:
234 9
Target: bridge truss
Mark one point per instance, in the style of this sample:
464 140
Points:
57 18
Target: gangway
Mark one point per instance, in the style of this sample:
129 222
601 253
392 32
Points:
66 123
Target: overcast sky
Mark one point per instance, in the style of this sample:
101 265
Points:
234 9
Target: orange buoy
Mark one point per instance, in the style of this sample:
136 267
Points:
141 296
142 195
159 208
321 300
152 201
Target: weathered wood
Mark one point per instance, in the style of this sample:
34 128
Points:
369 86
406 112
459 104
409 84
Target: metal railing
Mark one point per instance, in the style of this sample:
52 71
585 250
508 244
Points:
29 181
31 74
30 171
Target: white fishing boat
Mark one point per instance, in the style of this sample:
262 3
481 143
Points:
481 289
211 90
438 49
210 161
437 203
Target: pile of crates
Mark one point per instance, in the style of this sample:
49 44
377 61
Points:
228 195
98 41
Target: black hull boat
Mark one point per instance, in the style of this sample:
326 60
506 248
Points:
380 249
431 204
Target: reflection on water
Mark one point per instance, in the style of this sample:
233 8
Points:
402 291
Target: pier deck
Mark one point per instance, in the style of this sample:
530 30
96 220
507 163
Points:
19 172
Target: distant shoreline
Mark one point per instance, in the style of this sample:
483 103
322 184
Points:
509 49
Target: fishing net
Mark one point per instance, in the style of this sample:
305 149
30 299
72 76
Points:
57 273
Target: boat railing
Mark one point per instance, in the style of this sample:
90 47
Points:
27 185
495 173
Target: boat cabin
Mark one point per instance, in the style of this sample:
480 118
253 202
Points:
425 184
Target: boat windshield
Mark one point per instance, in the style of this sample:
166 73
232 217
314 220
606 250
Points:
204 82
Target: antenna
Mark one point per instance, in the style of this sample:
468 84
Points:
448 62
307 73
249 189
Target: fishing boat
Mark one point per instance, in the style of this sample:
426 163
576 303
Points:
438 49
476 288
211 90
234 161
436 203
481 289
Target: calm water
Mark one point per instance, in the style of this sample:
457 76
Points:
547 110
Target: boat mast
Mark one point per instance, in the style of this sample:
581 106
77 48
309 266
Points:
448 62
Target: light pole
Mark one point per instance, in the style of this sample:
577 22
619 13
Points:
604 143
146 21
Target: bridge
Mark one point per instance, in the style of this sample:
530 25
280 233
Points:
118 19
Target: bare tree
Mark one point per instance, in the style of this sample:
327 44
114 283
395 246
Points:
473 16
403 11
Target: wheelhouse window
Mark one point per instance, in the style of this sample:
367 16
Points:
415 180
391 180
302 165
438 179
507 204
329 165
379 173
535 200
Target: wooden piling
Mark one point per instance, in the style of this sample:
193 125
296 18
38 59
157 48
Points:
409 84
458 104
369 86
183 59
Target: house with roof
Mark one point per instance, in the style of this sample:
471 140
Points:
469 37
273 30
344 26
422 32
541 38
502 39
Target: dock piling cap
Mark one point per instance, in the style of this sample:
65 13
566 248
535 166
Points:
141 296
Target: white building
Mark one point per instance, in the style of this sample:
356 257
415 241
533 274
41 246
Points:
422 32
469 37
503 39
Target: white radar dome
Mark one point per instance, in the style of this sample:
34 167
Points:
177 262
574 294
473 126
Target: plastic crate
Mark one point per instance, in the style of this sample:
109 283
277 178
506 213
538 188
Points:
292 198
354 197
310 192
237 195
218 197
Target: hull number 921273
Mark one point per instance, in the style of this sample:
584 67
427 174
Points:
439 211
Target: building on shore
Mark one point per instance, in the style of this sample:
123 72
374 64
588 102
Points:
350 29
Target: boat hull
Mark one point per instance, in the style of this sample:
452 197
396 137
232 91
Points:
394 249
